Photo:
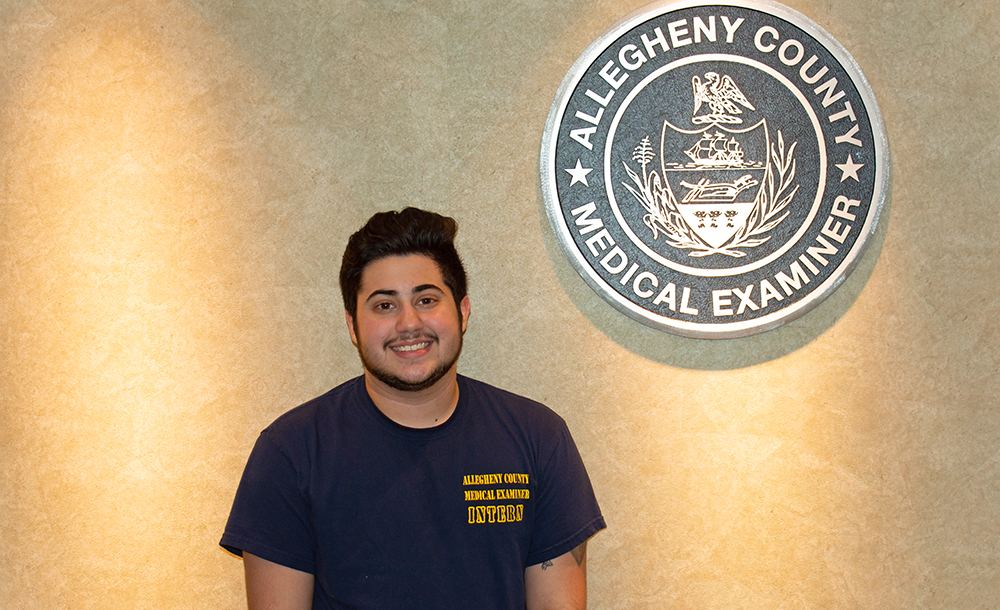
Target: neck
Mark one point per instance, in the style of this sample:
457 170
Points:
423 409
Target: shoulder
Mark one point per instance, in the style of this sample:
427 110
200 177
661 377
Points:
509 406
302 422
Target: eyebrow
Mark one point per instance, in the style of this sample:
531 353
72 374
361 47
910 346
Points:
394 293
424 287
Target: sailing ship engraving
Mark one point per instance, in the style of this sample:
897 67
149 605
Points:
716 150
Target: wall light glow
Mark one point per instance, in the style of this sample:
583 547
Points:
120 252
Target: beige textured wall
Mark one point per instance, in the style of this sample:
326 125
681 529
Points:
177 180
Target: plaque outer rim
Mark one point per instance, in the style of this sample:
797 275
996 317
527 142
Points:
547 173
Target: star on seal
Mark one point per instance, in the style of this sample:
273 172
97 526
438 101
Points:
849 169
579 173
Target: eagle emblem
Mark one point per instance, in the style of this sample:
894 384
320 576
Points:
722 96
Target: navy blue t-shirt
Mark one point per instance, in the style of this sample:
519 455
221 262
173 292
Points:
386 516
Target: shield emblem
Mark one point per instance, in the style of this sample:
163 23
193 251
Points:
715 174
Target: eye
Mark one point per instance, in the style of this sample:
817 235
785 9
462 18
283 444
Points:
427 301
383 306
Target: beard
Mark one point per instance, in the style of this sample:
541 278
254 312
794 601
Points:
397 383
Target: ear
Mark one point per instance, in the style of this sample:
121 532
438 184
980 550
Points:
465 308
350 327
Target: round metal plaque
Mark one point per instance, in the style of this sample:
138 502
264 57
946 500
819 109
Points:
714 170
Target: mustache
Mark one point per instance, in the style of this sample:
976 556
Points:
411 336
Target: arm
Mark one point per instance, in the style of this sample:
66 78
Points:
558 584
271 586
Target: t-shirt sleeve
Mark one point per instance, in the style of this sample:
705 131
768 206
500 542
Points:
567 513
270 517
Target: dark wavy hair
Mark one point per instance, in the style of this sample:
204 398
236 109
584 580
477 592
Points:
409 231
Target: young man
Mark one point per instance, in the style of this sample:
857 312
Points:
412 486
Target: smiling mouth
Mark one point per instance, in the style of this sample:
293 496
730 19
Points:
411 348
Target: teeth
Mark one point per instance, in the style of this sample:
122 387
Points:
410 348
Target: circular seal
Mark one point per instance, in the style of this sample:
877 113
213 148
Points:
714 170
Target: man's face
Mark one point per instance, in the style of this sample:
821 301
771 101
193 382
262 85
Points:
407 328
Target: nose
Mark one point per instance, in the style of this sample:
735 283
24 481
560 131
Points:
408 318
